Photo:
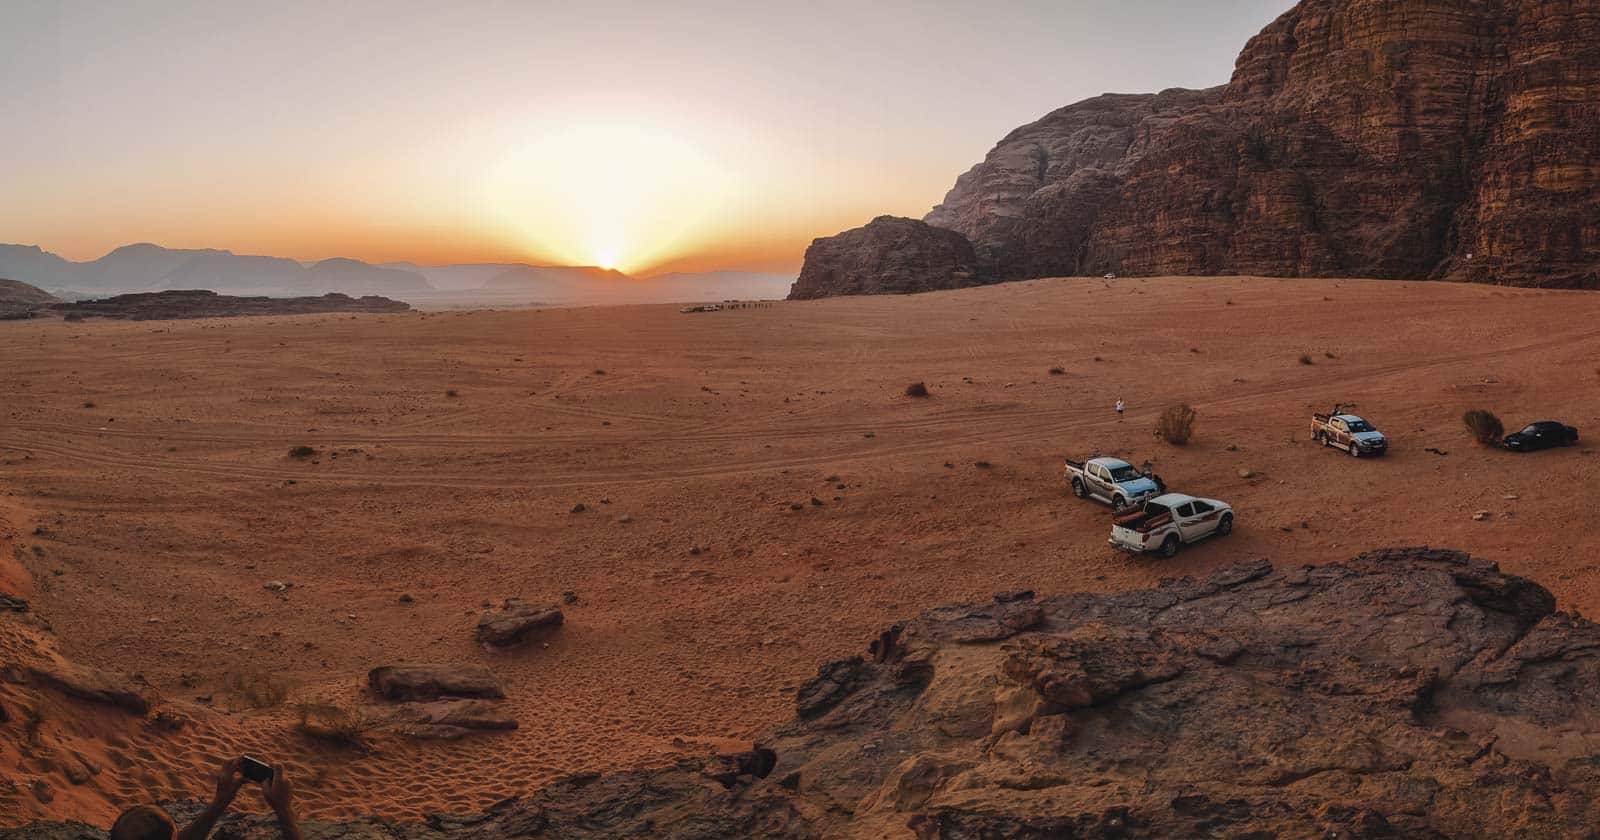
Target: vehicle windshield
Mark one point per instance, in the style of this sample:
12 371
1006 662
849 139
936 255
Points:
1121 474
1531 430
1361 426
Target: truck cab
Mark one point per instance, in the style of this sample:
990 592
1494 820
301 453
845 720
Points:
1348 432
1110 480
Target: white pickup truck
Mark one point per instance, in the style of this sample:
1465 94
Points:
1110 480
1167 523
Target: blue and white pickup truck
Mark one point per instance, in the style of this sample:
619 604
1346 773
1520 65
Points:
1110 480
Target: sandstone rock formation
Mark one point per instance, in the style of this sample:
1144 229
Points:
148 306
430 682
1405 693
516 623
1408 139
889 256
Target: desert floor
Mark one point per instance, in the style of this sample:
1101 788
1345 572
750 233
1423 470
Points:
145 476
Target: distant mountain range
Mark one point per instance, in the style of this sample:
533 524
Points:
145 267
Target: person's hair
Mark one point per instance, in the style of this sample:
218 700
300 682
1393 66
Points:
146 822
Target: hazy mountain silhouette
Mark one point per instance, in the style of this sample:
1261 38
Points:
145 267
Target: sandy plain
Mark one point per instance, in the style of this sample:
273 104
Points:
146 497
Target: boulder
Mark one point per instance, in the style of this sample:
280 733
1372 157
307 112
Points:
889 255
430 682
518 623
450 720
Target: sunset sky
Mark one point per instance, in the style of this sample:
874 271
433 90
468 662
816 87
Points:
646 136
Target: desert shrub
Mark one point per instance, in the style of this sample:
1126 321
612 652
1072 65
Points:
1055 371
1484 426
255 689
72 317
917 389
302 452
983 465
452 393
345 723
1305 359
1176 424
1329 354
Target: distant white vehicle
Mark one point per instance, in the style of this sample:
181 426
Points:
707 308
1111 276
1167 523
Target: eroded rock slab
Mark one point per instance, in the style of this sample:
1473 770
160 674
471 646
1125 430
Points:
431 682
516 623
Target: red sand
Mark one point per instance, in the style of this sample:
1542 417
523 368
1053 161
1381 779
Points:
167 505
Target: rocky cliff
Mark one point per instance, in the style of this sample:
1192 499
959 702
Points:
1452 139
1405 693
20 300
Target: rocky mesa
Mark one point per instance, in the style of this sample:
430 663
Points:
200 303
1406 692
1411 139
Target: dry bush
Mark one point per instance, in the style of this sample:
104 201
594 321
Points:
1305 359
254 689
1484 426
1055 371
917 389
338 723
452 393
1176 425
302 452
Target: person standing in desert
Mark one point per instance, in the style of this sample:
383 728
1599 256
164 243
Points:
1120 407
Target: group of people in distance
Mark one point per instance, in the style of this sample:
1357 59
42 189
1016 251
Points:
152 822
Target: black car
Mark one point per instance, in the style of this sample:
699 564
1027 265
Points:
1542 435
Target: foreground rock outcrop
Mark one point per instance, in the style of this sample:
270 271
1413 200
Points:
1408 139
199 303
1410 692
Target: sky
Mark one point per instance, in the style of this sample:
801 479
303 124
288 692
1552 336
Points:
648 136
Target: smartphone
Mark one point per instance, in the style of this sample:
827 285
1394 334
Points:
255 771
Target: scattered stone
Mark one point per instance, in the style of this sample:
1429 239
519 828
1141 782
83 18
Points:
450 720
625 519
816 502
275 586
797 506
11 603
579 507
569 597
1247 474
407 599
1510 498
1481 516
516 623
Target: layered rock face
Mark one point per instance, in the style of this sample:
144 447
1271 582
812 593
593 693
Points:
1415 139
1406 693
889 256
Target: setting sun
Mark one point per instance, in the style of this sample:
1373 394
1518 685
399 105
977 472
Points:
610 193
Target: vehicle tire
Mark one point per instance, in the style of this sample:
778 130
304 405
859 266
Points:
1355 451
1078 489
1320 438
1572 438
1169 546
1118 502
1225 527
